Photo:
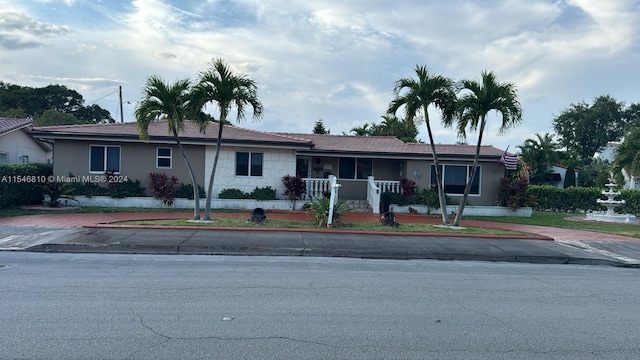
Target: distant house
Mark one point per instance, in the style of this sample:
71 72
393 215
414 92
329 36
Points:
17 146
608 153
558 174
250 159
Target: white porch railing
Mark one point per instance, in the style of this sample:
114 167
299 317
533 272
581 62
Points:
388 186
373 195
316 187
377 187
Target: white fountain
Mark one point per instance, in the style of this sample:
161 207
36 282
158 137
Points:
610 215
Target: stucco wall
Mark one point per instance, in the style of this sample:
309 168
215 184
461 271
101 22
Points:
276 164
17 143
489 183
137 160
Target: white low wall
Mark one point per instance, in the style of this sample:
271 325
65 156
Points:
468 210
149 202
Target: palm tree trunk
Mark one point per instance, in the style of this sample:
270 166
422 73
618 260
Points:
207 209
467 188
441 197
194 182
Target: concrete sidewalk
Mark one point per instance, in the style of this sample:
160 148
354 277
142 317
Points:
88 233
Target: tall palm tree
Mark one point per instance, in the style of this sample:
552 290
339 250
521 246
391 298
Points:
416 95
627 155
224 89
472 109
171 102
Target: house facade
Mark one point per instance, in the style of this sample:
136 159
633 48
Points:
17 146
250 159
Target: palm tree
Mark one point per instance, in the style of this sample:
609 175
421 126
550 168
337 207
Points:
540 153
171 102
416 95
220 86
628 155
364 130
472 109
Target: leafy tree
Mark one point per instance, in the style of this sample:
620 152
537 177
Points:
595 174
54 117
479 99
171 102
319 128
33 102
220 86
416 95
540 153
627 155
93 114
585 130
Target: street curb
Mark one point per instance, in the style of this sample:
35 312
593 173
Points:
321 231
254 251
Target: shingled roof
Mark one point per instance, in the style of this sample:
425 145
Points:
159 131
10 124
389 145
345 145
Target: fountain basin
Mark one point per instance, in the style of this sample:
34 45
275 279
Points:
607 217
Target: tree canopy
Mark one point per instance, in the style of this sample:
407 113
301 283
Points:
585 129
319 128
24 101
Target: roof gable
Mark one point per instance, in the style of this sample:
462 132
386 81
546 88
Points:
159 130
11 124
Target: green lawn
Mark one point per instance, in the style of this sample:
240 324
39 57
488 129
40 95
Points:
285 224
560 220
540 218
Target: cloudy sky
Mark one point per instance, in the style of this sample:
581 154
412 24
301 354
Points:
334 60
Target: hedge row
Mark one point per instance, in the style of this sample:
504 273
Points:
580 199
22 184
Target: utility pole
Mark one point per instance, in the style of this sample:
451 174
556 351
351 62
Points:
120 94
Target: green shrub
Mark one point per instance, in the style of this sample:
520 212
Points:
632 202
573 199
119 190
22 184
320 211
186 191
428 198
395 198
263 193
232 194
88 189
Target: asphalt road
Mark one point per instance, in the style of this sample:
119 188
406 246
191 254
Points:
105 306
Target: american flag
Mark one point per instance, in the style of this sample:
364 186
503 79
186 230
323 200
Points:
510 162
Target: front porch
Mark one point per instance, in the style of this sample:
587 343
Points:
368 190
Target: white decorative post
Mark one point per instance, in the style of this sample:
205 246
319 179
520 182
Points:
334 194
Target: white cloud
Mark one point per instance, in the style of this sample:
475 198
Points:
335 60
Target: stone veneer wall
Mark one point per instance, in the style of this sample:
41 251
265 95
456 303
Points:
276 163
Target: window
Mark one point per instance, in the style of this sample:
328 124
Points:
24 159
103 158
454 178
163 158
4 158
248 164
352 168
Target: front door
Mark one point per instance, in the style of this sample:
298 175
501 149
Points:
303 167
